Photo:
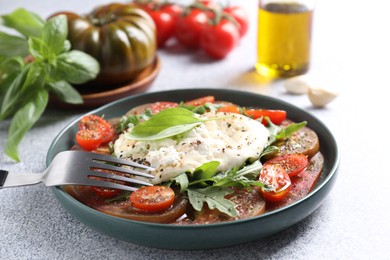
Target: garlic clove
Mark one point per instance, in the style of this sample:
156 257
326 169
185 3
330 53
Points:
320 97
297 85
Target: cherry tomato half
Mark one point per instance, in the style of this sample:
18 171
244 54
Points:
274 175
97 123
89 139
152 198
217 41
276 116
292 163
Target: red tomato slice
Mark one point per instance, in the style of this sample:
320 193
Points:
152 198
105 193
292 163
230 109
274 175
200 101
276 116
97 123
89 139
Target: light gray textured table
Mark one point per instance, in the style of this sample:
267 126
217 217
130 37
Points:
349 54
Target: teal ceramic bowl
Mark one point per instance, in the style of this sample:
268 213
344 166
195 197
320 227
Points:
193 237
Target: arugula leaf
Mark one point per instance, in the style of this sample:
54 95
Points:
287 131
278 133
23 21
12 45
215 199
23 120
167 123
182 180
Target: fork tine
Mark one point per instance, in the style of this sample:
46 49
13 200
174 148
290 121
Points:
111 159
117 177
111 185
103 166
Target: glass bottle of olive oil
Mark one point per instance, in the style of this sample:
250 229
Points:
284 38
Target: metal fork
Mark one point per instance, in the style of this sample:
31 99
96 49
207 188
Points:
81 168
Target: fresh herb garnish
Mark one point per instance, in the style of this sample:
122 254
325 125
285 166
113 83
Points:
33 63
167 123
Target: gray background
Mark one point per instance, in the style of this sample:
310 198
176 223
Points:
350 55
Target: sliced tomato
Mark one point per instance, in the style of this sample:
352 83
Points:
292 163
276 116
230 109
152 198
89 139
105 193
274 175
200 101
97 123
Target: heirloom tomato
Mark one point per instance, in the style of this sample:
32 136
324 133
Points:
121 37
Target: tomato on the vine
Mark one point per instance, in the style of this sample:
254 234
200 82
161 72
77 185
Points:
189 27
241 17
173 9
274 175
152 198
165 25
218 40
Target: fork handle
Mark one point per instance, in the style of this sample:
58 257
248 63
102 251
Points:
3 176
11 179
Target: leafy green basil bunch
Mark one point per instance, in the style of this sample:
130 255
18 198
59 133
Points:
34 61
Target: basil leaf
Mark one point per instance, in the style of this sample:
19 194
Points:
77 67
23 21
11 64
55 32
169 132
11 45
167 123
13 94
214 197
65 92
23 120
38 49
22 88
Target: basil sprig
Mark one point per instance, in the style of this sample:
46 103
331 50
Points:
167 123
34 61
